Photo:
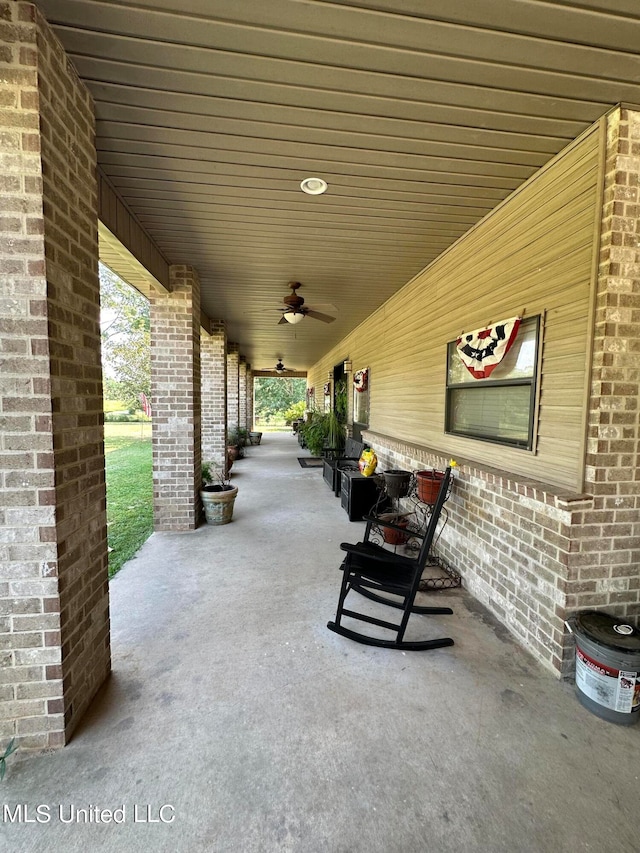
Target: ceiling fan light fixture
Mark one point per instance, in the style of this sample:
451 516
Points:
313 186
293 317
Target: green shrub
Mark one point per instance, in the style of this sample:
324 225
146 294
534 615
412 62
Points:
315 432
114 405
294 412
121 418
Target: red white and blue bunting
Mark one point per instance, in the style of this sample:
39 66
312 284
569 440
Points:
361 380
483 350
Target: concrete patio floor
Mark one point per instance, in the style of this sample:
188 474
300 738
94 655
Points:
232 705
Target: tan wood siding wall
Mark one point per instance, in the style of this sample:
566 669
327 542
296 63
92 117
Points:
533 253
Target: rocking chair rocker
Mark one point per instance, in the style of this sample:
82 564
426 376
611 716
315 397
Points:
376 573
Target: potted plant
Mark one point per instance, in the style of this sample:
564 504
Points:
323 431
314 432
217 494
237 438
397 482
392 535
335 431
234 448
428 485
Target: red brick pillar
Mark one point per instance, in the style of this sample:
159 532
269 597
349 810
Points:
175 392
213 358
233 385
242 392
54 595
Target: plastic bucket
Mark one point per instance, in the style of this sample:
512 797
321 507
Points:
607 666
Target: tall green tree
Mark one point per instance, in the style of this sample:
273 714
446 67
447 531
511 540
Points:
126 339
275 394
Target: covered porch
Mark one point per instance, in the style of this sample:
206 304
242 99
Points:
508 189
231 705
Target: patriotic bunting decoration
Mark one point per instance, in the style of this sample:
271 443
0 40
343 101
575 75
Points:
483 350
361 379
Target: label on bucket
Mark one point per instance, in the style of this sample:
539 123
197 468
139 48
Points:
615 689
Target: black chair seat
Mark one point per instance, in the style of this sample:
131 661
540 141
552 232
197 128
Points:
372 552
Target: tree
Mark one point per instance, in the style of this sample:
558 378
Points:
275 394
126 338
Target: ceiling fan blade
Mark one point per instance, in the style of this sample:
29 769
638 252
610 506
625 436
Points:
325 318
281 321
323 307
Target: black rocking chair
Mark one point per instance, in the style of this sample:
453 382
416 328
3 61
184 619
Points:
377 573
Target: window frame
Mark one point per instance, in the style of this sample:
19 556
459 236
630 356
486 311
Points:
533 382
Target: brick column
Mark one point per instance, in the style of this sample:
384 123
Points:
213 360
249 397
175 391
604 568
54 594
233 385
242 392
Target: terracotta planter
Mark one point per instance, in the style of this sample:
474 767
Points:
233 452
428 485
391 536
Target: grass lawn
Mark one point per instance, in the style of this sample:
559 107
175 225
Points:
129 490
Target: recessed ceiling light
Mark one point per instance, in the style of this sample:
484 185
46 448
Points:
313 186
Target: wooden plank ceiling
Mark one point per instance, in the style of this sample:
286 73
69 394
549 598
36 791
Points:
421 115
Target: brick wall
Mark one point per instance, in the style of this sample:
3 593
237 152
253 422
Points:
176 401
55 617
511 539
213 359
233 385
242 392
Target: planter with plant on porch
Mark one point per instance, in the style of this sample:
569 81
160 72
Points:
428 485
236 442
217 495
